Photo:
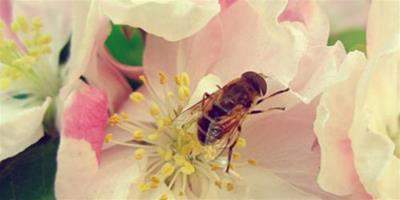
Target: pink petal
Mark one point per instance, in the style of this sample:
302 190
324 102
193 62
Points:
332 128
194 55
90 58
226 3
308 13
5 11
318 70
253 40
282 143
86 117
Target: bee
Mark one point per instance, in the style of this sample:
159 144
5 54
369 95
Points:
223 111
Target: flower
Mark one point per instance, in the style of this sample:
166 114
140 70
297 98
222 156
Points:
345 15
151 149
358 118
31 40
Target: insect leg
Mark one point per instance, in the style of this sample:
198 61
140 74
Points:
205 96
230 151
268 110
272 95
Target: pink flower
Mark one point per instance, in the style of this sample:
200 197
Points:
151 149
358 118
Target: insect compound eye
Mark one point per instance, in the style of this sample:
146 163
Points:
257 81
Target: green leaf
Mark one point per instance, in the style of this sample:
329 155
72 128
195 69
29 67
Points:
30 174
353 39
128 51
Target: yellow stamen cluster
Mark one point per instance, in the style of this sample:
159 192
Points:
170 145
19 58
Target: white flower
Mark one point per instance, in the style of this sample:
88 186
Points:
32 35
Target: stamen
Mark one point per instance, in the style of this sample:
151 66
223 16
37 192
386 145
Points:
252 162
163 78
139 154
241 142
136 97
164 197
174 152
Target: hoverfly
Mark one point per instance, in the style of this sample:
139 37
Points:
223 111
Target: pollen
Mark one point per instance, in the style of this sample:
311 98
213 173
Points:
154 109
187 168
153 136
139 153
236 156
182 79
114 119
154 182
136 97
215 167
144 187
183 93
164 197
138 135
218 184
167 169
163 78
230 187
252 162
142 78
108 138
241 142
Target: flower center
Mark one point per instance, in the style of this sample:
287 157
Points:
24 69
175 156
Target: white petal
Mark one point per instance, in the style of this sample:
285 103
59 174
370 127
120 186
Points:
383 25
172 20
19 128
208 84
56 17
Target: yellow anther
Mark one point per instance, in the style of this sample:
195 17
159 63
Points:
4 83
154 109
124 116
142 78
232 166
153 136
136 97
167 169
170 94
179 160
252 162
164 197
230 187
183 93
114 119
215 167
108 138
181 193
182 79
167 121
160 124
154 182
44 39
188 168
218 184
139 153
163 78
138 135
236 156
37 24
144 187
168 155
241 142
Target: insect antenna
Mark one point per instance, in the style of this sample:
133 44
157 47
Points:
272 95
268 110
